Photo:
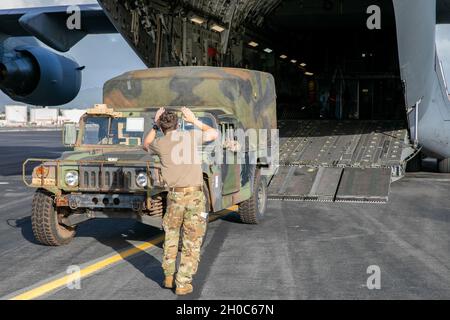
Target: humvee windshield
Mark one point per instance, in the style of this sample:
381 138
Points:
105 130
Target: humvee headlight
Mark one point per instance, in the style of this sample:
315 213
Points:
71 178
142 180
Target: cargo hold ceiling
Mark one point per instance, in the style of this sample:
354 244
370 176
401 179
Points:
327 14
165 33
148 24
292 14
244 11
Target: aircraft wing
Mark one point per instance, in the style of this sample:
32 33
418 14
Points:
49 24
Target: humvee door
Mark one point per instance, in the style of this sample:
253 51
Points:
231 169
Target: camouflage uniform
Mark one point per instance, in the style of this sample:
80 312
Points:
183 210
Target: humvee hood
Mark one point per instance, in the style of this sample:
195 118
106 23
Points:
113 156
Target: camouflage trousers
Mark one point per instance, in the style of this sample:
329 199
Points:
184 212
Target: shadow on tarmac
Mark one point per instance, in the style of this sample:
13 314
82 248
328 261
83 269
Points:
118 234
209 255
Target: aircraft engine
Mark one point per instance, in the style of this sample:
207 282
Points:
37 76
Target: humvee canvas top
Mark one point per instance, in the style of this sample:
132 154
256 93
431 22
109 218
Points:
180 158
248 95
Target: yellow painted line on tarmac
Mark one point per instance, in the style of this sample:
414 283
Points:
63 281
90 269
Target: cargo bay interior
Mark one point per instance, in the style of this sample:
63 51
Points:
341 108
346 70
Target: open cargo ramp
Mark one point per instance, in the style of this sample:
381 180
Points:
347 161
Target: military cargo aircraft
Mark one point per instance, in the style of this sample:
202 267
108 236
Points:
362 79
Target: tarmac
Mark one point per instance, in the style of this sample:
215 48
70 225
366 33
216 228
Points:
302 250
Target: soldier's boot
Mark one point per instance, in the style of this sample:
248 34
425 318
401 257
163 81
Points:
186 289
169 282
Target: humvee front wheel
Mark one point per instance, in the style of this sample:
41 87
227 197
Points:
252 210
45 221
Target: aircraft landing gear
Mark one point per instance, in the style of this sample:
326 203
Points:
444 165
415 164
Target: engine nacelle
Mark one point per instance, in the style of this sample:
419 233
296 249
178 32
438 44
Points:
35 75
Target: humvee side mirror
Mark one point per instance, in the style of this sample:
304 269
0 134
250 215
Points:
70 133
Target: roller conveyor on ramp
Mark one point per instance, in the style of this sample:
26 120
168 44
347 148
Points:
347 161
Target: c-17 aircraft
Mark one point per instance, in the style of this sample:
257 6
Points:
362 78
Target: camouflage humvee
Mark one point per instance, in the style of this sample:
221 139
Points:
109 175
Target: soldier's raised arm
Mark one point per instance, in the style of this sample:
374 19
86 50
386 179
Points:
209 133
152 134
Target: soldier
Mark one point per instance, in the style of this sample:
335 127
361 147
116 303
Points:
185 200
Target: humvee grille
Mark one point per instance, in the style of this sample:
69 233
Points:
108 178
96 175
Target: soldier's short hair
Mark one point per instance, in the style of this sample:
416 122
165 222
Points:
168 121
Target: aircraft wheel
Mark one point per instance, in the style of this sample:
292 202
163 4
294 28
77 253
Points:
415 164
444 166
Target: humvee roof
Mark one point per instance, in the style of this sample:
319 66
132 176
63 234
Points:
249 95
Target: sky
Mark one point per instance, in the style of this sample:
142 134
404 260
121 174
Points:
8 4
106 56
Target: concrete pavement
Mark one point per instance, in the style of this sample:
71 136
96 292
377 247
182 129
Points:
301 251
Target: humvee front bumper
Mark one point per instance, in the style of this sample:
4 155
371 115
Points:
135 202
88 214
116 206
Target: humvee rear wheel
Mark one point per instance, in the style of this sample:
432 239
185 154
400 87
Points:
45 221
252 210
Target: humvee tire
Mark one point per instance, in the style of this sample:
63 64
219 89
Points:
252 210
207 209
44 221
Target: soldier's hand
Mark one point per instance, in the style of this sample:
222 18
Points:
188 115
158 114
